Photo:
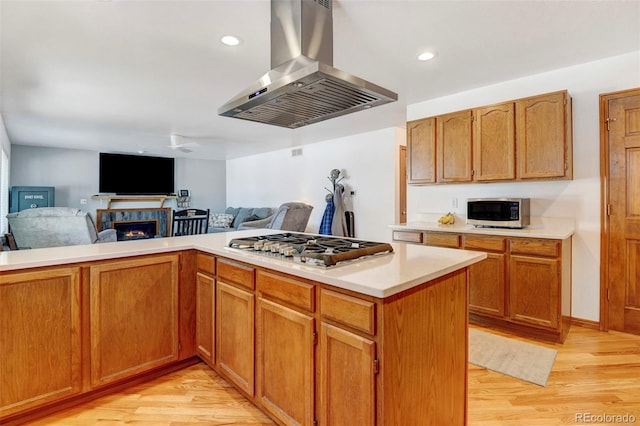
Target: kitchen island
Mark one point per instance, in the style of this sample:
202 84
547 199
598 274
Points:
377 341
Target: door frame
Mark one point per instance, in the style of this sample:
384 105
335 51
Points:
604 201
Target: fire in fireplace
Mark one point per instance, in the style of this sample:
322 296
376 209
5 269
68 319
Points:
135 230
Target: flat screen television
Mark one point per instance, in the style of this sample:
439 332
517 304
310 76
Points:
125 174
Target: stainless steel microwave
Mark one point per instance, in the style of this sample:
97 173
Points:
498 212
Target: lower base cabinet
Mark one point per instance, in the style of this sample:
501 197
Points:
134 317
40 347
235 334
285 362
347 378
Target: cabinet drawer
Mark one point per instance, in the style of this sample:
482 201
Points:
348 310
408 236
477 242
206 263
237 273
535 247
443 239
297 293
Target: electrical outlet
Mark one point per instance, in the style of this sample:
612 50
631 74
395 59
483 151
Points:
454 203
83 201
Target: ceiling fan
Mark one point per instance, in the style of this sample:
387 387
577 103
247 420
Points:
177 143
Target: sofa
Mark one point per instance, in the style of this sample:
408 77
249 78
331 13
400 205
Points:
292 216
55 227
233 217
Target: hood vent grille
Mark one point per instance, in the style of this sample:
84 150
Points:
309 104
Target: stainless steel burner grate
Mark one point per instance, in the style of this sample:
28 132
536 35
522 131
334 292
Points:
311 249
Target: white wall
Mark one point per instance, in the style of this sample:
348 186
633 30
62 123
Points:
369 164
579 198
74 173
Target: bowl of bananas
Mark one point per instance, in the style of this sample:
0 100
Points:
447 219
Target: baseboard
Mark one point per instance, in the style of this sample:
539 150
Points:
595 325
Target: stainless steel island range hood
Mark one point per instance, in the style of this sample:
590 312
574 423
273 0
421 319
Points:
303 87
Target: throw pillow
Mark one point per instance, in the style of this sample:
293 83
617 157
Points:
220 220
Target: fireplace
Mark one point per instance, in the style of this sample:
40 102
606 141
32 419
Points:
161 219
135 229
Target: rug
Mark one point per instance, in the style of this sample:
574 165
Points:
522 360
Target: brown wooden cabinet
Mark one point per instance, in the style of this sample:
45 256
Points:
40 338
522 139
285 345
487 279
133 316
524 284
453 147
494 143
348 363
235 318
347 377
205 308
544 137
421 147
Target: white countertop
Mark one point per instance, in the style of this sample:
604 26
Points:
379 276
540 227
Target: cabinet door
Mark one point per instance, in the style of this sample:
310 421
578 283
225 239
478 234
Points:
543 136
205 306
487 286
39 338
133 316
454 147
494 143
534 291
234 335
285 367
421 146
347 378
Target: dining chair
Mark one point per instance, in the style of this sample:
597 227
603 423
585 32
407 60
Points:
190 222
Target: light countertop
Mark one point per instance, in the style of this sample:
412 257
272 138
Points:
540 227
379 276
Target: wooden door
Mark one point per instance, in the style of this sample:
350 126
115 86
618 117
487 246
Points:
421 144
39 338
205 306
534 291
285 367
347 378
134 316
621 240
235 334
402 190
453 147
543 137
494 143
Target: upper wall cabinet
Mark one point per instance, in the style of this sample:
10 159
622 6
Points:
544 137
524 139
494 143
453 147
421 144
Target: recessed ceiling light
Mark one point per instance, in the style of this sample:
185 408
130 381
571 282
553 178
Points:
425 56
230 40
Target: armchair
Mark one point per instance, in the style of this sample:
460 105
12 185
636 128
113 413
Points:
292 216
55 227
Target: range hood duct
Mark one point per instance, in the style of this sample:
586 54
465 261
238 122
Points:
302 87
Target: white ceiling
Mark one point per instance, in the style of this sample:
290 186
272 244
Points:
122 75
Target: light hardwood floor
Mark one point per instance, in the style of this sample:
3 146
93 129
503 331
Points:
595 374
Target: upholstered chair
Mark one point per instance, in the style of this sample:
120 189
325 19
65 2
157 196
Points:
292 216
55 227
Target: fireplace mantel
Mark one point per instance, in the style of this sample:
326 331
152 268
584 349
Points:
134 198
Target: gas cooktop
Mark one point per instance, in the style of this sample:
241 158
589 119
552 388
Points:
318 250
